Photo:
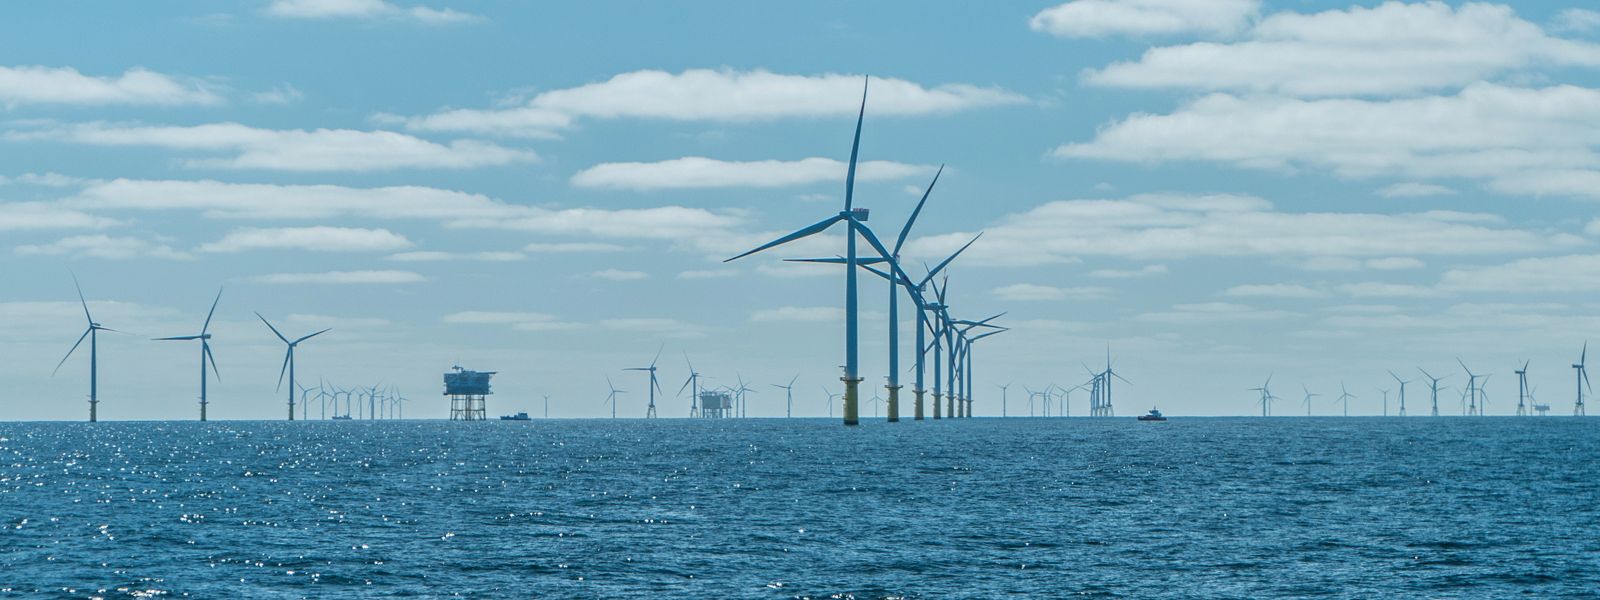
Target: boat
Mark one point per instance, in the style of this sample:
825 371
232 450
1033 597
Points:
1154 415
521 416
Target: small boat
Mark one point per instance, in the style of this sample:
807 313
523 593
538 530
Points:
521 416
1154 415
342 418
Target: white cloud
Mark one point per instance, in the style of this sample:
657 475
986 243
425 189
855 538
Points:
283 94
341 277
1527 141
711 95
1375 289
1579 20
799 314
1394 263
103 246
288 149
1273 290
1558 274
1412 189
43 215
317 239
700 172
1213 312
438 256
520 321
618 275
654 325
571 247
1393 48
1101 18
36 85
365 10
1025 292
55 180
709 274
1143 271
1170 228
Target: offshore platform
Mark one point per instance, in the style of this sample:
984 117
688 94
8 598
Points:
468 392
716 404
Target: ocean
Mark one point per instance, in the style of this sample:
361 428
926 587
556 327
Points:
1417 507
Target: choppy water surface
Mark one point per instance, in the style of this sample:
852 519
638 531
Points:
1453 507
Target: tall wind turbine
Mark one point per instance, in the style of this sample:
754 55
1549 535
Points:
205 352
1583 380
1472 388
92 333
1309 396
1266 396
831 396
288 359
1402 383
651 412
1345 396
612 397
1522 389
1385 392
693 385
855 220
1003 389
788 390
1433 387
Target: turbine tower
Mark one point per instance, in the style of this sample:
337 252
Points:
1307 401
650 413
1433 388
288 359
1345 396
693 385
1472 389
1003 389
205 352
612 397
1385 392
92 333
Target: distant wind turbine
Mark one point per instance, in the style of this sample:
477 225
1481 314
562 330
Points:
788 390
205 352
650 413
1345 396
1402 383
288 359
1309 396
1583 380
612 397
92 333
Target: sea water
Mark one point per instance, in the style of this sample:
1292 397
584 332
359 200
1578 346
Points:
804 508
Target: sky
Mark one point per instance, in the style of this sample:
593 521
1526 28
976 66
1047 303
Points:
1218 190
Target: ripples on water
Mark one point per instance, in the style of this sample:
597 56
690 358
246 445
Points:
803 508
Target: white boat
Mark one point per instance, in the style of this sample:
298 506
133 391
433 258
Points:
1154 415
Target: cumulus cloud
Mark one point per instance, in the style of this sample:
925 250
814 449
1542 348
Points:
799 314
1579 20
700 172
1101 18
317 239
1393 48
618 275
1377 289
1527 141
367 10
103 246
439 256
708 274
1169 227
571 247
520 321
1025 292
1212 313
709 95
45 215
1143 271
38 85
1273 290
1557 274
342 277
1412 189
287 149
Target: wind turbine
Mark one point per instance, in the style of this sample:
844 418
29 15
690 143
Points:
831 396
651 412
612 397
1402 383
1385 392
547 406
1266 396
92 333
741 391
1309 396
788 390
1433 387
1522 389
1583 380
1345 396
1003 389
288 359
205 352
855 220
1472 388
693 384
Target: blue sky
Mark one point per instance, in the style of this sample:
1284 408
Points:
1220 189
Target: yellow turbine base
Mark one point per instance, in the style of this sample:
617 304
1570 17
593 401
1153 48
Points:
852 404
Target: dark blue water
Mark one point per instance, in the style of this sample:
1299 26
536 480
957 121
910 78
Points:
1286 507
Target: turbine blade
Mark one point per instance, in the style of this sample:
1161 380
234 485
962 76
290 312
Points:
285 367
304 338
946 262
206 327
69 352
181 337
808 231
274 329
85 303
855 149
906 231
205 347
